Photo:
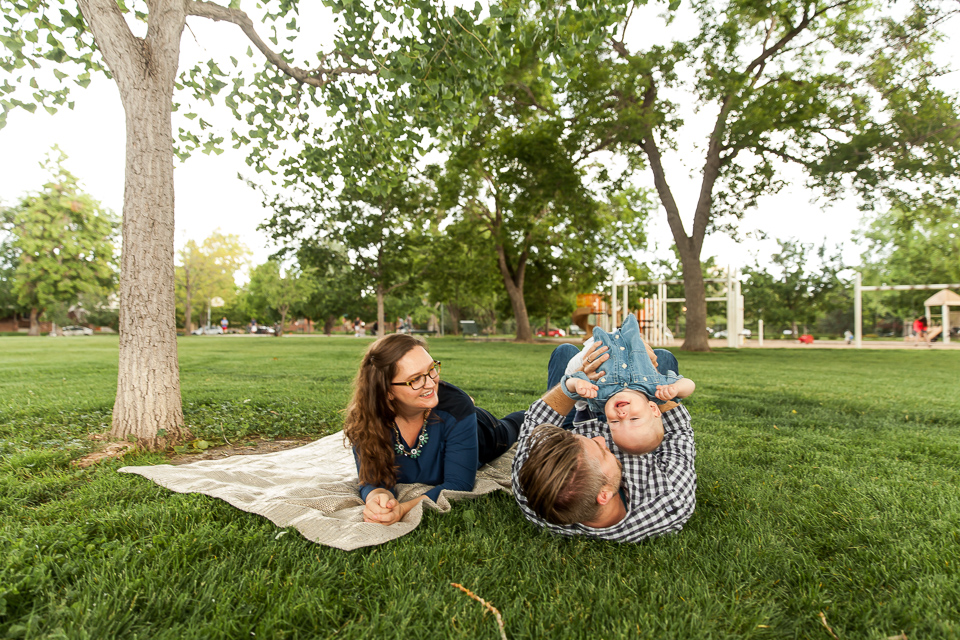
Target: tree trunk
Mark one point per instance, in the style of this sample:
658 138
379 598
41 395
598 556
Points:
454 311
34 323
283 320
328 324
514 286
381 330
187 313
694 290
148 406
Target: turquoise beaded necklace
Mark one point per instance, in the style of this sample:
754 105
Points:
401 447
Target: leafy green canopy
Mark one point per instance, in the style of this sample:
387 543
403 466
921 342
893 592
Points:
845 90
481 88
282 292
62 242
207 270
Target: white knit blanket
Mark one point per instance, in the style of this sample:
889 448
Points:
312 488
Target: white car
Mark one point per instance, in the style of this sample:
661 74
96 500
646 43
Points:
208 331
77 330
723 333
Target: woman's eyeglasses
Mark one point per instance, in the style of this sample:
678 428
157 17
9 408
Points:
420 380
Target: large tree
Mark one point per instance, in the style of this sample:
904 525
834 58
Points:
462 271
525 185
281 291
376 223
62 244
844 91
51 34
337 292
207 271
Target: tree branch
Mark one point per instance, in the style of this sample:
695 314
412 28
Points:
533 98
117 44
659 175
319 77
790 35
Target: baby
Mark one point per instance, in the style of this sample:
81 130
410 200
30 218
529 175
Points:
631 390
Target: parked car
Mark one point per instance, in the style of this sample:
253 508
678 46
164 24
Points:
208 331
575 331
723 333
553 333
77 330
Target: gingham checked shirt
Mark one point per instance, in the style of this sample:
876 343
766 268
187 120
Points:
660 486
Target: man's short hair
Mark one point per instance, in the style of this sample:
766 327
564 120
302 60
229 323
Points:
560 483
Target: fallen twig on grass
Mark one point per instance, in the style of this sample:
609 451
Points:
823 620
224 435
493 609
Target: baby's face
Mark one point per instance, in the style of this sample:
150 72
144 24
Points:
634 421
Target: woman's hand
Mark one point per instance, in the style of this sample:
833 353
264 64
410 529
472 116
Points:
653 356
382 508
593 358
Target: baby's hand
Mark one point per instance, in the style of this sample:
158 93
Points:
585 389
582 388
666 392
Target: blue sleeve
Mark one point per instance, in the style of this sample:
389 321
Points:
460 457
365 489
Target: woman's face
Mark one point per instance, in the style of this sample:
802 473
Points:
407 401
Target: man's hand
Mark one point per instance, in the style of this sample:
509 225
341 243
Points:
582 388
382 508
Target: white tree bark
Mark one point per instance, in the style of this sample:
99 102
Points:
148 406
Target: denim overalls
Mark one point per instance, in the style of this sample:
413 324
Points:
629 366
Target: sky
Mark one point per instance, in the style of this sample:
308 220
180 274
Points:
210 196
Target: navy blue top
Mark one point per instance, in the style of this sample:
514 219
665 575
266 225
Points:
450 458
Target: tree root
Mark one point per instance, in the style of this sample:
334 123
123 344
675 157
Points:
112 450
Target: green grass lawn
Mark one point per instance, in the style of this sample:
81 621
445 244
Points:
828 482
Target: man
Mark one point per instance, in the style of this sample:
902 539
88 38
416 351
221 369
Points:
578 482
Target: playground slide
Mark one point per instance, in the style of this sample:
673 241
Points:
933 332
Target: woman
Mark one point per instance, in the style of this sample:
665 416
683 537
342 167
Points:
406 425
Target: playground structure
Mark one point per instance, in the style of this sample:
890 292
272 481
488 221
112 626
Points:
944 299
652 312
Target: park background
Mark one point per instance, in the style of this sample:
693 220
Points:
774 246
827 502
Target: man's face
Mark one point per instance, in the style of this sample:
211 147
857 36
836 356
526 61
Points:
596 449
633 421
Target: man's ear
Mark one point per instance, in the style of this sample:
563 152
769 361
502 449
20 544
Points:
606 494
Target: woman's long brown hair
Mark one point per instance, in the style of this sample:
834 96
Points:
370 414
